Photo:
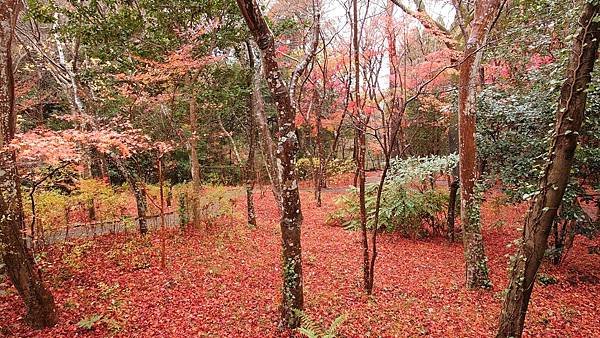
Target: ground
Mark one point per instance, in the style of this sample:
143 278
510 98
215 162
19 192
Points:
224 281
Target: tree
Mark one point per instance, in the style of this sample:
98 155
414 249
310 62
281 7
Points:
552 184
361 122
287 147
249 170
486 13
15 254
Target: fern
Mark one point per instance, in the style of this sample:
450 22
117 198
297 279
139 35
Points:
337 322
311 329
89 322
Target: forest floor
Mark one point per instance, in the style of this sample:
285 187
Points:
224 280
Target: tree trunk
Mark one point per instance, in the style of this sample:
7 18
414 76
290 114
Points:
138 192
454 182
249 171
394 82
319 179
454 185
194 161
360 150
15 255
552 185
486 11
265 139
291 215
18 259
104 168
163 245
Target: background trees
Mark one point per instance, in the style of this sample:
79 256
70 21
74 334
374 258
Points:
299 95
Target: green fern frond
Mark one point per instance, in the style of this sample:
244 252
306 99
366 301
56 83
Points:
307 333
311 328
332 331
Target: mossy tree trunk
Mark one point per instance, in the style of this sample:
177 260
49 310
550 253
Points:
137 188
19 261
486 12
543 209
287 148
249 170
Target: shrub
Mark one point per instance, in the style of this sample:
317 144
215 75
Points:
215 203
50 209
414 210
409 211
336 166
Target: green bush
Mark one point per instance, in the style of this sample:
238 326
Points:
411 212
414 210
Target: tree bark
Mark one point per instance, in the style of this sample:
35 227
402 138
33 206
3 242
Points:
163 245
360 149
454 182
320 170
193 155
249 171
486 12
453 191
249 175
18 259
287 147
552 185
434 27
138 192
265 139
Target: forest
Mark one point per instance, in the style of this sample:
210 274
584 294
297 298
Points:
306 168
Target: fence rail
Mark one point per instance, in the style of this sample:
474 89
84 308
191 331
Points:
99 228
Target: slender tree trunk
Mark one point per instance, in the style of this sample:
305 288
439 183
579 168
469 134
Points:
249 172
163 245
486 11
249 176
319 145
453 192
138 192
248 168
454 182
265 138
287 147
395 100
194 160
18 259
103 168
360 149
552 185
